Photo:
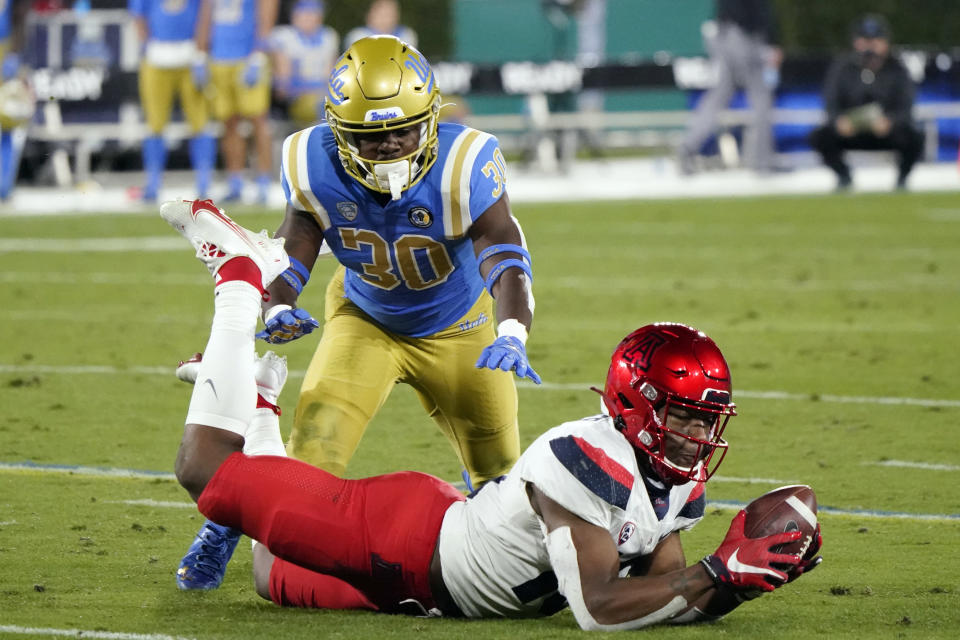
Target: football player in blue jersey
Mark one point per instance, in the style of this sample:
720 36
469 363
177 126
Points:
17 103
235 33
418 216
172 68
303 54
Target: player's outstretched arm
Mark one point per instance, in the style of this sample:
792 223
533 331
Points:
586 562
505 267
283 322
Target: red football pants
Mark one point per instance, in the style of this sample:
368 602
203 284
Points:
372 538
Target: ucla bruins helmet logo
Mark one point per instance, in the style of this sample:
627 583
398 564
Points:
381 84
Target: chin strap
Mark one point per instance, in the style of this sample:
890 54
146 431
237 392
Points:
395 174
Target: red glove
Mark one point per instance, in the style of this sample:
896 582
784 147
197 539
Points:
744 563
810 560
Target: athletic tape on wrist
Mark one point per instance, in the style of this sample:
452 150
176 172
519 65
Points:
512 328
275 310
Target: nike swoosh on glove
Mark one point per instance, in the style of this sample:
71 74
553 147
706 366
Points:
284 324
744 563
508 353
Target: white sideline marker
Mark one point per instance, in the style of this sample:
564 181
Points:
83 633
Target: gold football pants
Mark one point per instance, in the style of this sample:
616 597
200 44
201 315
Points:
358 362
158 88
232 97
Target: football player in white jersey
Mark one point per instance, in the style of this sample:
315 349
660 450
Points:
588 517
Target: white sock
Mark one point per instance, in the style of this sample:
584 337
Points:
225 393
263 435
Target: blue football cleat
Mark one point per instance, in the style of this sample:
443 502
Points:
206 561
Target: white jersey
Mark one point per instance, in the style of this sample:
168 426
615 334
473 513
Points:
492 546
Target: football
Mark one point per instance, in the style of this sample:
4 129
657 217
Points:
791 508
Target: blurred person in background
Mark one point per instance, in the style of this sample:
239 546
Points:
746 56
172 68
304 52
868 96
235 34
17 102
383 18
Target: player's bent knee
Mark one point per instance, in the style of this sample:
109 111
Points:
201 452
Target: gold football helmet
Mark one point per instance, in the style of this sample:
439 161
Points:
379 84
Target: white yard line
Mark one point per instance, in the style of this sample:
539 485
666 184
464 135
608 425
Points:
104 472
93 245
33 369
85 633
906 283
733 505
160 504
926 466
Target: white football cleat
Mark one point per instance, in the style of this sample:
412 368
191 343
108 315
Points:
217 238
270 373
187 369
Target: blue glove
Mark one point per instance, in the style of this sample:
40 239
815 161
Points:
254 68
284 324
200 72
11 66
508 353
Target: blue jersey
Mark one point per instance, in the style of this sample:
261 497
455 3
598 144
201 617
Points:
410 265
234 30
6 18
167 20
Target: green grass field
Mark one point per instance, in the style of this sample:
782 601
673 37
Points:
838 315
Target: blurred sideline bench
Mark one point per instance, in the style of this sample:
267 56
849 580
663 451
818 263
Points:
539 134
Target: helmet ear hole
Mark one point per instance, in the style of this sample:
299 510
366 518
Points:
625 401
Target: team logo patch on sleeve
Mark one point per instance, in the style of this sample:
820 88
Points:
348 210
604 476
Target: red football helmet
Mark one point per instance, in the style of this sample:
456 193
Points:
662 371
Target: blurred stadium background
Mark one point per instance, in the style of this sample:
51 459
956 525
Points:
560 82
838 313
